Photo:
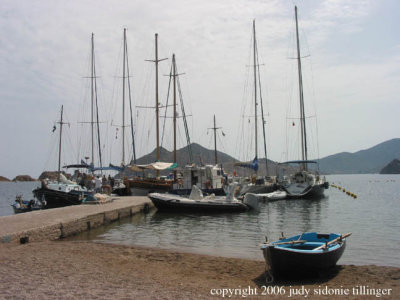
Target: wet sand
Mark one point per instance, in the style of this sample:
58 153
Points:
87 270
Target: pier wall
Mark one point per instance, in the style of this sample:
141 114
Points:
53 224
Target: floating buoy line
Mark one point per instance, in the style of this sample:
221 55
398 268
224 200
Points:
348 193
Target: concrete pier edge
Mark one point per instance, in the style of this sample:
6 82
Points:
58 223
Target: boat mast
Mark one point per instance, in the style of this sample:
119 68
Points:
59 145
255 86
130 99
174 105
123 100
215 128
157 103
156 61
302 113
92 99
215 142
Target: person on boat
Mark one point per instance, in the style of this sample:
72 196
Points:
43 183
82 180
112 181
97 184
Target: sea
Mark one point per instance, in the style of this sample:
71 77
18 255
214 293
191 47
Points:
372 218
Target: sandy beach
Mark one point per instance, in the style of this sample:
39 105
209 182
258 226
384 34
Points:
87 270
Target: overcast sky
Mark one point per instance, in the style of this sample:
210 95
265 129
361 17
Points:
351 68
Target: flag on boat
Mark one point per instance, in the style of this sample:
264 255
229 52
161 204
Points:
253 165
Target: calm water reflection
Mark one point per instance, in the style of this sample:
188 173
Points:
372 218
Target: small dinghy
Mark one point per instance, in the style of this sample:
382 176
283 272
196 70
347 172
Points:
198 203
21 206
306 252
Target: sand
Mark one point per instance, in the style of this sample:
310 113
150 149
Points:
88 270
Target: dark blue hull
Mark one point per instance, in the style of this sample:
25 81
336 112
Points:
301 258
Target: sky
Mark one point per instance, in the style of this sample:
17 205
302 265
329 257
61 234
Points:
351 72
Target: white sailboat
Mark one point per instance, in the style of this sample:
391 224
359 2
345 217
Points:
258 184
303 183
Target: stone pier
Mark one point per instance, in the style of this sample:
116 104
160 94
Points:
53 224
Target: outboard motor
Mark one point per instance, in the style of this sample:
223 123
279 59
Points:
196 193
251 201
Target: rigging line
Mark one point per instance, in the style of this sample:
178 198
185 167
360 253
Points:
220 144
262 114
241 125
97 118
130 105
184 118
166 107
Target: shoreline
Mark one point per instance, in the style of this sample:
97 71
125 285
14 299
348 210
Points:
85 269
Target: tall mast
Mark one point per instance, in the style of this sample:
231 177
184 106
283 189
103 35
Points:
123 100
156 61
130 99
215 142
302 113
215 128
157 103
92 100
255 86
174 78
59 146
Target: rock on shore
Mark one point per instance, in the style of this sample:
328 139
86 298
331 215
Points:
53 175
23 178
2 178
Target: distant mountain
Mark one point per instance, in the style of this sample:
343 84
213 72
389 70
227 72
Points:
366 161
204 156
2 178
200 155
392 168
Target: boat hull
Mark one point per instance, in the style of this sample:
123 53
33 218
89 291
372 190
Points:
185 192
199 206
142 187
56 198
291 261
313 192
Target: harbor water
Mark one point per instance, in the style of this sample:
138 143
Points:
372 218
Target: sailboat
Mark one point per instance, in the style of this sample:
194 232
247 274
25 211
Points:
120 187
258 184
143 185
209 178
303 183
62 192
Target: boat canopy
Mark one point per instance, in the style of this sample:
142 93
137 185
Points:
253 165
299 162
159 166
84 165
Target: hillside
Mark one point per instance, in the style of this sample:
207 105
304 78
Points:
366 161
204 156
392 168
199 153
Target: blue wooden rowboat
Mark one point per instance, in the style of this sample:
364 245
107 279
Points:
308 252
